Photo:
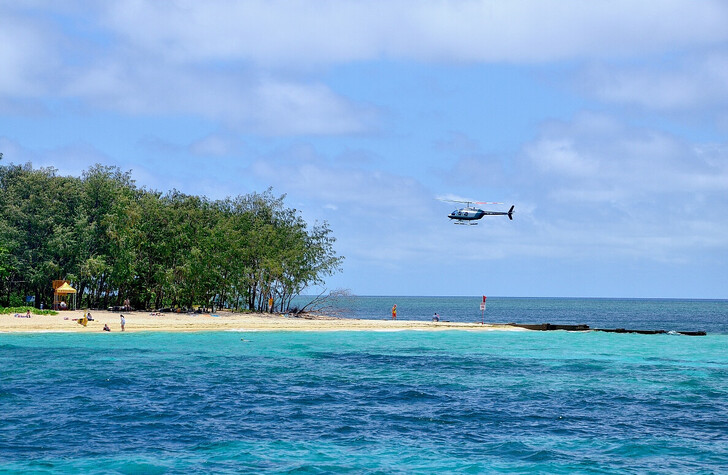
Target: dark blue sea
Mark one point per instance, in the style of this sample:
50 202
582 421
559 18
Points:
379 402
638 314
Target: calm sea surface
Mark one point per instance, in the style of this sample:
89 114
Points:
636 314
378 402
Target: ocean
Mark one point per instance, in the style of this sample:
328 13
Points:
636 314
379 402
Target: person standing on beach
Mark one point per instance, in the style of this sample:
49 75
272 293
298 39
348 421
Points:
394 312
123 322
270 304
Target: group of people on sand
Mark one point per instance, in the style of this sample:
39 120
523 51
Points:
88 318
123 324
81 321
435 318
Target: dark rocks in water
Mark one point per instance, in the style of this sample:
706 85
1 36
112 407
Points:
549 327
582 327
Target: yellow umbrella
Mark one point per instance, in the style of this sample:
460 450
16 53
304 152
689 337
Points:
64 289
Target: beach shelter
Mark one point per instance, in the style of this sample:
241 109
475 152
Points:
61 293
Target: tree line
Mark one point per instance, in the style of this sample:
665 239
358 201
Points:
115 241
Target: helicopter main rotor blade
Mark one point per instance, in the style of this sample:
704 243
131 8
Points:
472 202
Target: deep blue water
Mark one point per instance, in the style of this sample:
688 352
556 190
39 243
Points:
638 314
364 402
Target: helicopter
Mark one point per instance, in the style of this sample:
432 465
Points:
470 214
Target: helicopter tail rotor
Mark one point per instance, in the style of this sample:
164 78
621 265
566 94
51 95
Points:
510 212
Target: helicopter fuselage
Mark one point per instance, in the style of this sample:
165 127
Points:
467 214
470 213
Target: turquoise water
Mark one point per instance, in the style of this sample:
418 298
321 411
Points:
363 402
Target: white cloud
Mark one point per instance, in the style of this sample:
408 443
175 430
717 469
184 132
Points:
69 160
284 32
28 52
593 188
629 162
216 145
589 188
245 100
255 66
74 158
695 82
13 152
43 59
560 157
602 187
377 216
374 193
292 108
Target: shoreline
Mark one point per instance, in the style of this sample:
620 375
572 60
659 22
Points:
66 322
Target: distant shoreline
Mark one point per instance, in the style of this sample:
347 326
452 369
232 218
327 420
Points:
66 322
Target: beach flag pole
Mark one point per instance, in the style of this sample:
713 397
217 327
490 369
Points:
482 311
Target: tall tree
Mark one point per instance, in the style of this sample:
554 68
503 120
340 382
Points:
115 241
38 211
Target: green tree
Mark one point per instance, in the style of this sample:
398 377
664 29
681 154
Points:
107 196
38 209
115 241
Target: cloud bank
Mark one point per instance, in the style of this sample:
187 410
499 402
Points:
255 65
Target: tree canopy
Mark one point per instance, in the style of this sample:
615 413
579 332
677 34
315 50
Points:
115 241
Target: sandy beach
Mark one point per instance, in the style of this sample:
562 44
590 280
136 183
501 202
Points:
220 321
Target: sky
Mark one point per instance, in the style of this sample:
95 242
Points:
604 122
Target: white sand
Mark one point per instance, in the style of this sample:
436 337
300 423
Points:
225 321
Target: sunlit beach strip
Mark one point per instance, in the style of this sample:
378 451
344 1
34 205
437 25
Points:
223 321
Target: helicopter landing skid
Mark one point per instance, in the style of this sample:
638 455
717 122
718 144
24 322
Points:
465 223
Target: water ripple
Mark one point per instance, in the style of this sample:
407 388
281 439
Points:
362 402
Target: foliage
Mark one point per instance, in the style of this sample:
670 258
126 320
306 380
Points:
115 241
23 310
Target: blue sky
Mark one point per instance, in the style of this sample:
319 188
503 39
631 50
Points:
605 123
